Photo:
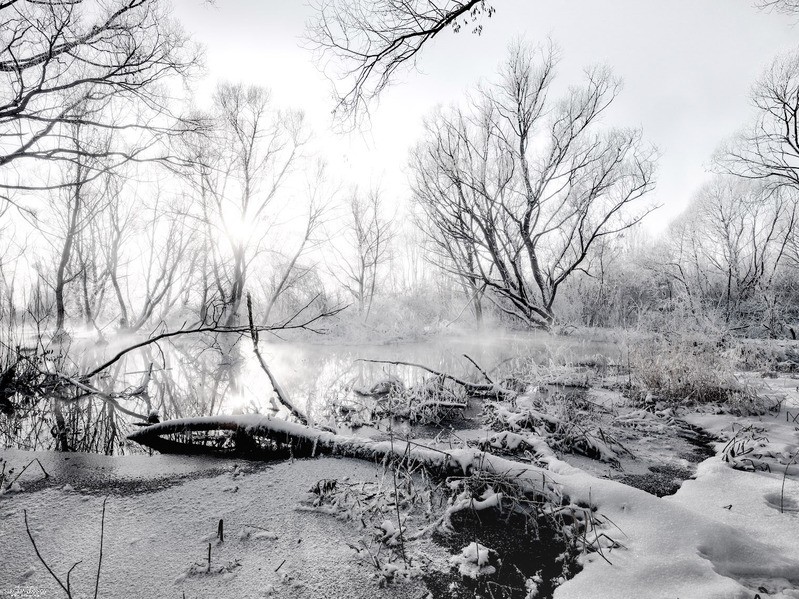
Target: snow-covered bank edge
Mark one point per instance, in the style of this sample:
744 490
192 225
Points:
721 535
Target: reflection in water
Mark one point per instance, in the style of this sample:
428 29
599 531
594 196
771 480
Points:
204 375
315 373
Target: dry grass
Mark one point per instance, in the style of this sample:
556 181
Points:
690 367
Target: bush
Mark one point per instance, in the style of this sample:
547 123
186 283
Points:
689 359
684 367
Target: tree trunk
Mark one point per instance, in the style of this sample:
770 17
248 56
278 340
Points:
66 254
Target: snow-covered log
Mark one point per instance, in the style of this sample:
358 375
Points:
305 441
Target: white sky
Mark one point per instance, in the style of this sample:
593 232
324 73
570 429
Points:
687 65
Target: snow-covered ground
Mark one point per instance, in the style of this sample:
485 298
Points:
727 533
722 535
157 530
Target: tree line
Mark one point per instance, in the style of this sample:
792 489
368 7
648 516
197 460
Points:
523 207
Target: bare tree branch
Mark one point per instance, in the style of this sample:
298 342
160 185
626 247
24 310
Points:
783 6
362 45
97 66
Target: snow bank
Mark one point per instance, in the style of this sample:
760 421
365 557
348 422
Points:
156 534
721 536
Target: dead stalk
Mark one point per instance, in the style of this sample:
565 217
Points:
67 586
396 495
100 560
784 476
44 563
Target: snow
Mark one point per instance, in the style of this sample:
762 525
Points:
14 487
720 536
727 533
680 547
472 561
157 529
391 533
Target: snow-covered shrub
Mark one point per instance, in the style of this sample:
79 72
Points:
770 356
558 421
432 401
475 561
686 366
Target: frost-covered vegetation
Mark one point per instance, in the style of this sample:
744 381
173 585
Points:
234 364
560 472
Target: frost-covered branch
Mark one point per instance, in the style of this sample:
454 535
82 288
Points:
362 44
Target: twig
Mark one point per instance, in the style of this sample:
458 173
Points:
476 365
214 328
69 572
100 560
473 387
25 468
41 559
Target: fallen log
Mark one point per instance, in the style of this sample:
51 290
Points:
303 441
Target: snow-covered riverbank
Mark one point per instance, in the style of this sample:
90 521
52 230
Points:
725 533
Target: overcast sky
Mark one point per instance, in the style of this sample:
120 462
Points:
687 66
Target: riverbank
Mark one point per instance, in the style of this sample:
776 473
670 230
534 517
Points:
725 533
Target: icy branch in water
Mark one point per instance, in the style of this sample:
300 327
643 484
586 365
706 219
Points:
473 388
281 394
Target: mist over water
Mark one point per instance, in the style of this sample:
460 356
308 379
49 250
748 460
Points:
205 375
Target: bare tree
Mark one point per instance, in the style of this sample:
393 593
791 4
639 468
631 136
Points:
517 190
450 250
291 273
93 276
81 90
71 63
75 205
767 151
363 44
367 236
746 230
728 249
238 177
146 246
769 148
